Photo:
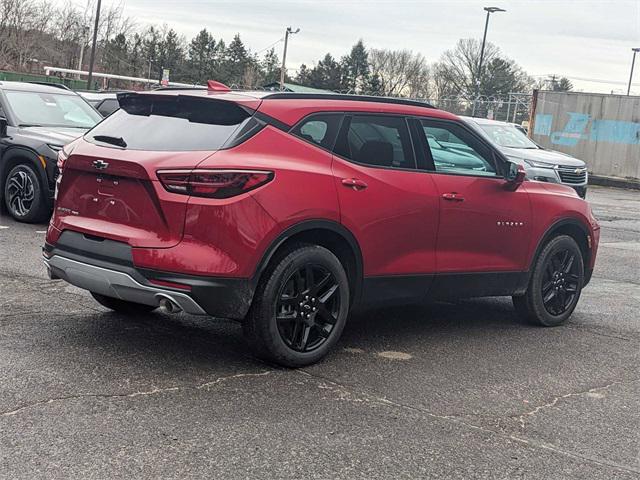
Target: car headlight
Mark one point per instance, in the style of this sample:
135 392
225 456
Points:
538 164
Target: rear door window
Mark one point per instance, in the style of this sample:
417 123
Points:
377 141
170 123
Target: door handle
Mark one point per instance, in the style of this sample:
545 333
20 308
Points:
453 197
354 183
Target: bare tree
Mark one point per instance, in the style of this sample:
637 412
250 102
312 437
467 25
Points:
23 24
400 72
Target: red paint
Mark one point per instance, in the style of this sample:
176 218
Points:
405 222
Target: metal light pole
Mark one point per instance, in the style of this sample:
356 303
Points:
283 70
83 40
489 11
93 46
635 50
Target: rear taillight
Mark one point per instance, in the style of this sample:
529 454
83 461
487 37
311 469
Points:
213 183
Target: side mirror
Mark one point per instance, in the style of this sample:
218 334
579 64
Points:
515 176
3 127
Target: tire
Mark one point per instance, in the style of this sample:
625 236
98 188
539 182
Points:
24 196
300 307
122 306
555 284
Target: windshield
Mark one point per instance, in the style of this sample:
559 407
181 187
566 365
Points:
51 110
508 136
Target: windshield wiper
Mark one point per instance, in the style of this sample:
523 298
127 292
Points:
25 125
118 141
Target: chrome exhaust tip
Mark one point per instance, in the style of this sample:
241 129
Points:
169 306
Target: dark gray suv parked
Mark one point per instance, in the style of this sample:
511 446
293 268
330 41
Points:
36 121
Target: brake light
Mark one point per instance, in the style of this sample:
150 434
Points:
213 183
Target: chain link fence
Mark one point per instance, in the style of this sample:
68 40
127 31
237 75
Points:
514 107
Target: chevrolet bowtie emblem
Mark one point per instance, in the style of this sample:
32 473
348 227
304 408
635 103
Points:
100 164
580 170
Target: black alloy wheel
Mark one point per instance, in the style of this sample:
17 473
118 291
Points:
23 194
299 308
560 281
555 284
308 307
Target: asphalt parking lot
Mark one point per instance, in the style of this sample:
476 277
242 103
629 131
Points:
446 391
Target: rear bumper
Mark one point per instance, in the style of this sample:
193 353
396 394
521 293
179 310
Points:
112 283
105 267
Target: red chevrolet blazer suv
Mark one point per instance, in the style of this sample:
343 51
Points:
289 211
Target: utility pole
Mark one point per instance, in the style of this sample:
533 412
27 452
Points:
635 50
489 11
93 46
283 70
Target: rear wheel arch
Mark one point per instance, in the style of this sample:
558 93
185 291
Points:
328 234
572 227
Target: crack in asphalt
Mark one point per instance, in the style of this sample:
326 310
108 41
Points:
238 375
346 394
153 391
599 333
552 403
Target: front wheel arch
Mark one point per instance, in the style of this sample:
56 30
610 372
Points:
572 227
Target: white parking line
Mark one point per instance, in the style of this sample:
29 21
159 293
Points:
41 231
2 227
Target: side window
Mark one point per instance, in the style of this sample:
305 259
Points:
320 129
454 150
377 140
108 106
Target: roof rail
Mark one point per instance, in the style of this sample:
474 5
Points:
54 85
354 98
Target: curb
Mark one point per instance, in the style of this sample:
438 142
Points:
614 182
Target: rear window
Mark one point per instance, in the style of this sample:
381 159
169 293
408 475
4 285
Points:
169 123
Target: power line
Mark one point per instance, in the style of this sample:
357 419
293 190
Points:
267 48
584 79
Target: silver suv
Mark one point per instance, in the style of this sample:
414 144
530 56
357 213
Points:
541 164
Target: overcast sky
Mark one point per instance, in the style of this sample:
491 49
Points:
581 39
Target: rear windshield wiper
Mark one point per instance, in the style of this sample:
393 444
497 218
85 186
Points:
118 141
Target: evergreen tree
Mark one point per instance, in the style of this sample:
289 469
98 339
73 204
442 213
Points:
136 58
236 61
271 67
355 68
116 54
201 56
327 74
171 53
150 49
374 85
303 77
